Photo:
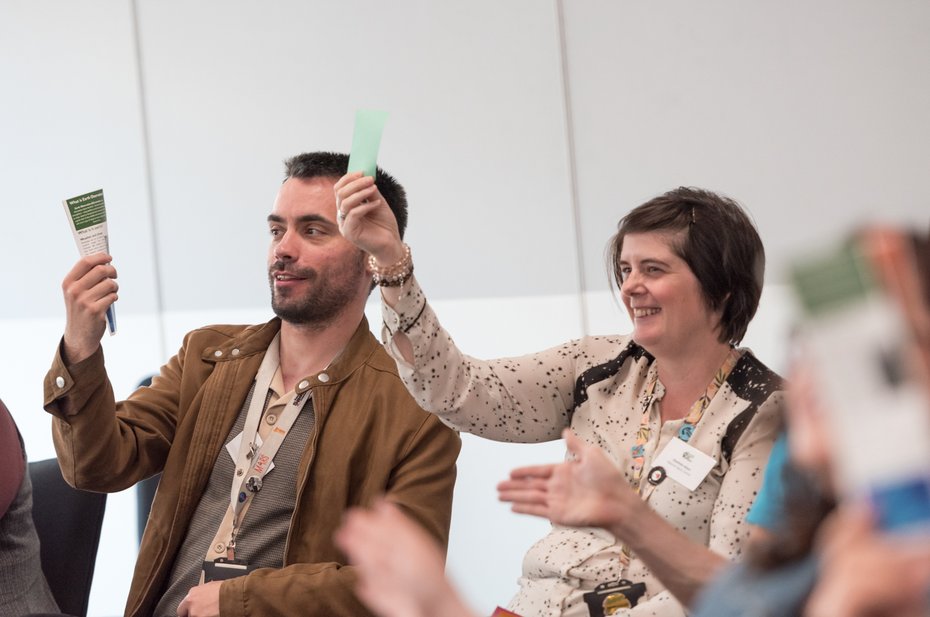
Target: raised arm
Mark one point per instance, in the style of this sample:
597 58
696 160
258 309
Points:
102 445
524 399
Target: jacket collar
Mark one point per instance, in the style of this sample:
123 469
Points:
256 339
250 341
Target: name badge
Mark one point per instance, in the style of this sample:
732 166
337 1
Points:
610 598
684 464
225 569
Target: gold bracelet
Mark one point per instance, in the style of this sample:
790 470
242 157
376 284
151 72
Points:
394 275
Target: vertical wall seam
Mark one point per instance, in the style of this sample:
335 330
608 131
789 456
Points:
572 172
149 184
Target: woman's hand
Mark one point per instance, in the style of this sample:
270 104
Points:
366 219
588 490
400 568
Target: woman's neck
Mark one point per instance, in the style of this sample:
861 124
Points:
685 378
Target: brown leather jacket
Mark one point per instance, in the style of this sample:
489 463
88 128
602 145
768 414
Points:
370 438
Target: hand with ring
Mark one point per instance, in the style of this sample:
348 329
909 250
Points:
366 219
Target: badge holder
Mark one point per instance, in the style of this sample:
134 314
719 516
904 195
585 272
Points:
608 598
224 569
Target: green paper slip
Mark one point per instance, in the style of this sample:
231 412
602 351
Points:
369 124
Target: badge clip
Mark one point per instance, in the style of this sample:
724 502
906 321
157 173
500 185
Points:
609 598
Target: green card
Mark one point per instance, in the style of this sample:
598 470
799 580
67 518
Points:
87 210
369 124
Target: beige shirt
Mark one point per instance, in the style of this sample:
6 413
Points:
596 385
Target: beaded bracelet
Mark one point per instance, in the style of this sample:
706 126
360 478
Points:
394 275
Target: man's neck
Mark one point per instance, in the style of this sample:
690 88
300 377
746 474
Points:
309 349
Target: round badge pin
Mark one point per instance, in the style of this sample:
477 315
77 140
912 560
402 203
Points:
254 484
656 475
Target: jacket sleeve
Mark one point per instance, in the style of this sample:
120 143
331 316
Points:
525 399
421 483
309 589
103 445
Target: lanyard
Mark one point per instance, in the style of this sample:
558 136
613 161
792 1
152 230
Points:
253 461
694 416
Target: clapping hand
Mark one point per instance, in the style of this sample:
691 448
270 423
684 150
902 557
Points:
586 490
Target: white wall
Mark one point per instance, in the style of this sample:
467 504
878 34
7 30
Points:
522 130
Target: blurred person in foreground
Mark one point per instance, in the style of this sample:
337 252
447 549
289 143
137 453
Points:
866 572
824 560
676 394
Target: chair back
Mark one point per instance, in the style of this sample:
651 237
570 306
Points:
145 494
68 522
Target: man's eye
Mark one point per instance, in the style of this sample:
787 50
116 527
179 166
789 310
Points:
275 232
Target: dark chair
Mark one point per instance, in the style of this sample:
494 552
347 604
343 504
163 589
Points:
68 522
145 493
145 489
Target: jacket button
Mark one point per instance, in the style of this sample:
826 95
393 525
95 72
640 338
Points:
235 352
304 384
217 353
271 418
323 377
60 381
220 547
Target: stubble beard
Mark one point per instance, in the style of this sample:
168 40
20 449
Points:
327 297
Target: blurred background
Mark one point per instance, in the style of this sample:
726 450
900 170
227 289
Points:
522 130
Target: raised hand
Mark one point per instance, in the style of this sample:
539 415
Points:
366 219
89 289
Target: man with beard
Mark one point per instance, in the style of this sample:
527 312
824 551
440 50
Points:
264 434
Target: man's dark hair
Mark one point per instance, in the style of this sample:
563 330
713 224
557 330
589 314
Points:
716 238
334 165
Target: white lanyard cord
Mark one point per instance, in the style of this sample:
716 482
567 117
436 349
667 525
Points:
253 461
